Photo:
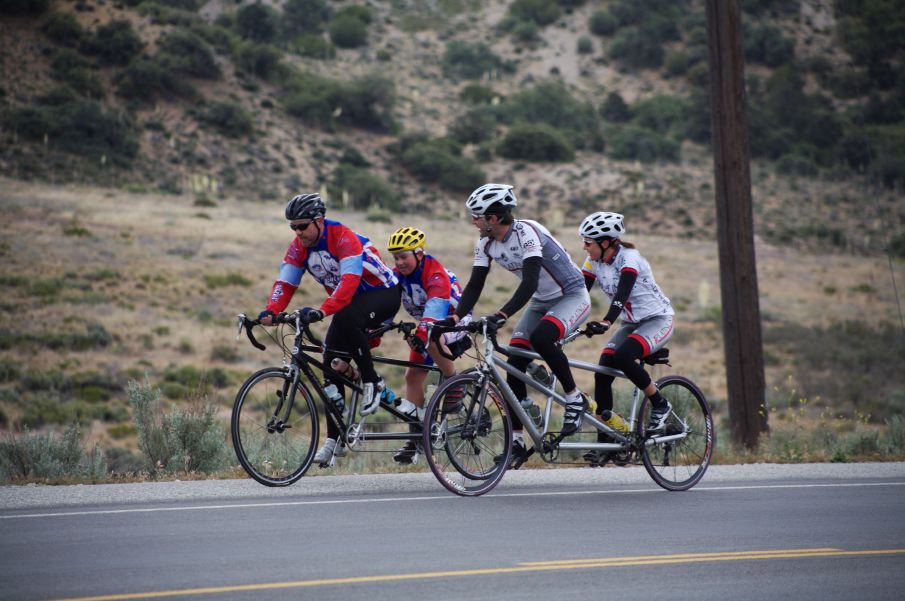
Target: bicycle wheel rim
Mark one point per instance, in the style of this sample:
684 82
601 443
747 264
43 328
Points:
680 464
460 455
273 457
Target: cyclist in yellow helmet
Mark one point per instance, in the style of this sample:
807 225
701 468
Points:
430 293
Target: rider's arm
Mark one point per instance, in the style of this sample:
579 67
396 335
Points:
288 280
587 270
472 290
627 278
530 274
347 248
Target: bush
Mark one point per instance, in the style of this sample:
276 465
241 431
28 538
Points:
475 93
77 126
367 102
796 164
144 80
677 64
364 189
305 16
615 109
63 28
187 440
261 60
765 44
551 103
184 52
636 49
348 32
663 114
584 45
470 61
602 23
475 126
33 456
70 68
540 12
356 11
115 43
225 280
438 161
535 142
257 22
314 45
229 118
633 143
24 7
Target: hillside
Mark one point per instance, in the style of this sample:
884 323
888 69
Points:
257 102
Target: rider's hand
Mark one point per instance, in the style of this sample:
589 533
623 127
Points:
418 339
310 315
265 317
447 322
496 320
596 327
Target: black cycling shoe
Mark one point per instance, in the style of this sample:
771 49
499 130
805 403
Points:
597 458
571 421
408 454
519 455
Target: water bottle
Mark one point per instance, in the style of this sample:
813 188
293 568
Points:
344 368
540 374
335 397
532 410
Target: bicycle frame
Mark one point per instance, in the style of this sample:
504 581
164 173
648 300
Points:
491 366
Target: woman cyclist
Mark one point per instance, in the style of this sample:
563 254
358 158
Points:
647 315
362 294
429 293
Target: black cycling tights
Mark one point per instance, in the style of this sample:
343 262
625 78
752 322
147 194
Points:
624 359
346 333
543 341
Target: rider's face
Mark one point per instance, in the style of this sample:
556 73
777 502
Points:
308 231
593 249
405 261
484 223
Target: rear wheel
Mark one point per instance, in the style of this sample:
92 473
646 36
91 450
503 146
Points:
461 444
677 457
274 449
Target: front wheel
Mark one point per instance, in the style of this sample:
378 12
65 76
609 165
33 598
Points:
677 457
467 434
275 445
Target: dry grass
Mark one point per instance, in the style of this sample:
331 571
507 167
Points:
136 264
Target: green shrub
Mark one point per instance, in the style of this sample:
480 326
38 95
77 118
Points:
475 93
661 113
63 28
551 103
796 164
602 23
348 32
188 440
367 102
615 109
633 143
228 118
9 369
224 352
766 45
305 16
261 60
384 55
69 67
33 456
677 63
475 126
145 80
228 279
438 161
356 11
184 52
257 22
584 45
540 12
535 142
314 45
364 189
115 43
24 7
470 61
636 49
77 126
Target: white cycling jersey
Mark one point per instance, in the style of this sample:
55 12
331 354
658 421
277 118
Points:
525 239
646 299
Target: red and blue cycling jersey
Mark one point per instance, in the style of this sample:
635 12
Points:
430 292
343 262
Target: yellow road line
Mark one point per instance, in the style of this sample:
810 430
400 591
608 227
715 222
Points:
523 567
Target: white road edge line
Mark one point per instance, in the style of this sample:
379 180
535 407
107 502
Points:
434 498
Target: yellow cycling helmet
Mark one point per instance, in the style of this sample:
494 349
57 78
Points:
407 238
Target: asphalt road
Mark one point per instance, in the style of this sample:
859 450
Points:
746 532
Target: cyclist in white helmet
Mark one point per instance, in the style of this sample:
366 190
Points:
647 315
551 285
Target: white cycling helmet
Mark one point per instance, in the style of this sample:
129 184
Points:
498 196
602 225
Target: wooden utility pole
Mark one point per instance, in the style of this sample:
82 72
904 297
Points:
735 225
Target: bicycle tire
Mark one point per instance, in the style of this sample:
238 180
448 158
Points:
273 457
680 464
460 446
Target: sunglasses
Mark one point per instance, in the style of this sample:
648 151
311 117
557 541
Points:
299 227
